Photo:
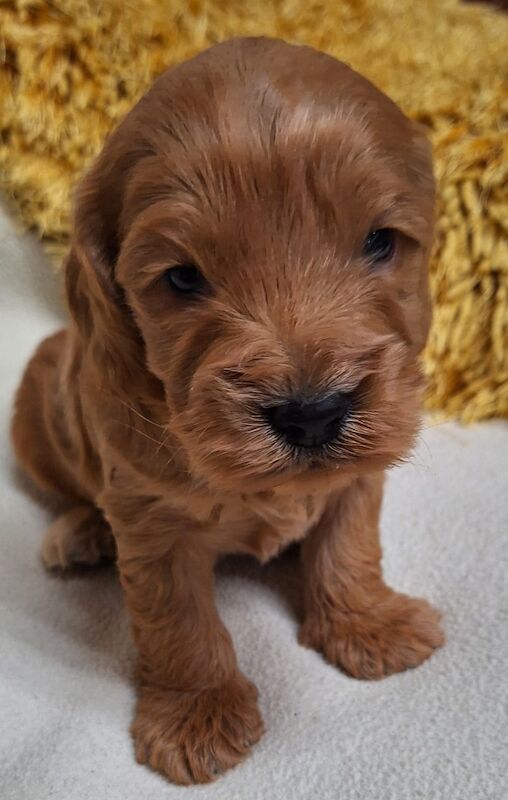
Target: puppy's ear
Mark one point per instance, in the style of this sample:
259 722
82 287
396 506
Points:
423 176
105 324
422 159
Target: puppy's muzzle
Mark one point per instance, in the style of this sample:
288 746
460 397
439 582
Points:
310 422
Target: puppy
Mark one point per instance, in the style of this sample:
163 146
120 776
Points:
247 286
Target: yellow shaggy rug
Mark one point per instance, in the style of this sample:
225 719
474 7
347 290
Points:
70 69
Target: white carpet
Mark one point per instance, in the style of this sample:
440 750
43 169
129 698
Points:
437 733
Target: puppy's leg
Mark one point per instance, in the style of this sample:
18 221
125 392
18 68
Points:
351 616
196 714
80 536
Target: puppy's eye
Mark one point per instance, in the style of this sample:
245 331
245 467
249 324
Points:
186 279
379 245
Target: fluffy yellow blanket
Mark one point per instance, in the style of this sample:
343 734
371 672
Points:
72 68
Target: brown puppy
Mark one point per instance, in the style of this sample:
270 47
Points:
248 292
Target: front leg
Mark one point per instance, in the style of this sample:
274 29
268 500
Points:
196 714
351 616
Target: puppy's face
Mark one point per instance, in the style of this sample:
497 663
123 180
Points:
275 239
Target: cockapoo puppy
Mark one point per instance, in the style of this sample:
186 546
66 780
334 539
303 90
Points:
248 292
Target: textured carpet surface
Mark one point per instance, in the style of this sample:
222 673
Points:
72 68
435 733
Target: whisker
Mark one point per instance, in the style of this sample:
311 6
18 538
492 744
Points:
136 430
102 389
139 414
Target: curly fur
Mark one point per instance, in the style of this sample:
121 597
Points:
266 165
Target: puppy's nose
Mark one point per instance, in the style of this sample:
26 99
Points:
310 423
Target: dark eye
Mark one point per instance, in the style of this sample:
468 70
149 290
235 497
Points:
186 279
379 245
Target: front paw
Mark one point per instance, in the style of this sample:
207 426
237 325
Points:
192 737
399 633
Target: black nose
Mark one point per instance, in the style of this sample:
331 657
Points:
310 423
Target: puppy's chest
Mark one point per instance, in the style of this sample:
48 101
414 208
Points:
264 524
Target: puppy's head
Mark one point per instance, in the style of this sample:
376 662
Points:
256 236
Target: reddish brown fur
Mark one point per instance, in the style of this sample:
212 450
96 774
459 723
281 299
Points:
267 165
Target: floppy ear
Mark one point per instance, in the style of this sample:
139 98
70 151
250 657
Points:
423 175
422 166
105 324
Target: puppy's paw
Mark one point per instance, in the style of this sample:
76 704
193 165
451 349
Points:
397 634
81 536
193 737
